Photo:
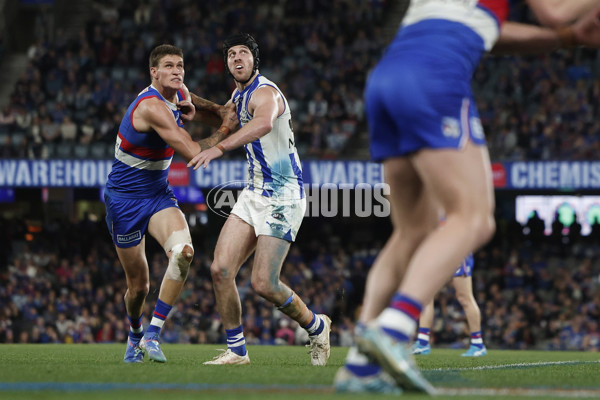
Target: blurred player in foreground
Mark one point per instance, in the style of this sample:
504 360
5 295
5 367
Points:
139 199
425 129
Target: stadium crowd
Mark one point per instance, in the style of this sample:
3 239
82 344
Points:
70 98
535 291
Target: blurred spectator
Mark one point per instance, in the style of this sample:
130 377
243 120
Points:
77 75
7 120
68 130
284 335
50 130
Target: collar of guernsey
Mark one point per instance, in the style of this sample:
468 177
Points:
484 17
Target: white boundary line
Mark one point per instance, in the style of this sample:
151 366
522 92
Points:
509 366
509 392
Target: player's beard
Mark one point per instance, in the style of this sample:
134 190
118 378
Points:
243 81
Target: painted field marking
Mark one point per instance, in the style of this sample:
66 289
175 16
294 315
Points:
515 366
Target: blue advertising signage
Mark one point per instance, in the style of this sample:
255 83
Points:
548 175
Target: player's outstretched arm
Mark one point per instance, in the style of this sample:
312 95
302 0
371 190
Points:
531 39
557 13
207 112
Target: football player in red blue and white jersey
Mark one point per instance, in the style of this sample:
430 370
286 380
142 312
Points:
139 199
425 129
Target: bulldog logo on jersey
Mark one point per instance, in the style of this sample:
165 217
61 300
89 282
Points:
450 127
476 128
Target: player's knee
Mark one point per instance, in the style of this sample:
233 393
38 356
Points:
188 253
179 245
220 273
464 300
484 228
480 226
179 262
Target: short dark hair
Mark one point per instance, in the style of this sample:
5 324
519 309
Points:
163 50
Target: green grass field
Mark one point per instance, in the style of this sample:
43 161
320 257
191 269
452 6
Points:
97 372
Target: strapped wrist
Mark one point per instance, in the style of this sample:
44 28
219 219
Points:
220 147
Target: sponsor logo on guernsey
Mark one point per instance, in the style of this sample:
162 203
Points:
129 237
450 127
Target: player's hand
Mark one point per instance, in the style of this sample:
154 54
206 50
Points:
229 115
587 29
188 111
205 157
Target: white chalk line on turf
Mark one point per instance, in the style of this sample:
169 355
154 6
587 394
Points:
508 392
516 366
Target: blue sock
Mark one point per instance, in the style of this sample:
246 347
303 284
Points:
236 341
316 326
161 311
423 336
477 339
136 330
399 319
359 364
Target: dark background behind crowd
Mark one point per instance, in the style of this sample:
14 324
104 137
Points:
61 282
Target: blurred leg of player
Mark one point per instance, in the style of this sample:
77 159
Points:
460 181
422 345
385 277
463 286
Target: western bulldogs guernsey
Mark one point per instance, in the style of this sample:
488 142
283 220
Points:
419 94
142 159
484 17
274 168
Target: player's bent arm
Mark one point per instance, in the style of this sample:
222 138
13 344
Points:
557 13
154 114
521 38
207 112
230 124
265 105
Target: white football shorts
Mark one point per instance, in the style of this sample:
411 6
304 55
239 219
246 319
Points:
270 216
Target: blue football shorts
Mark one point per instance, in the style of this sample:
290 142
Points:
466 268
419 96
128 218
